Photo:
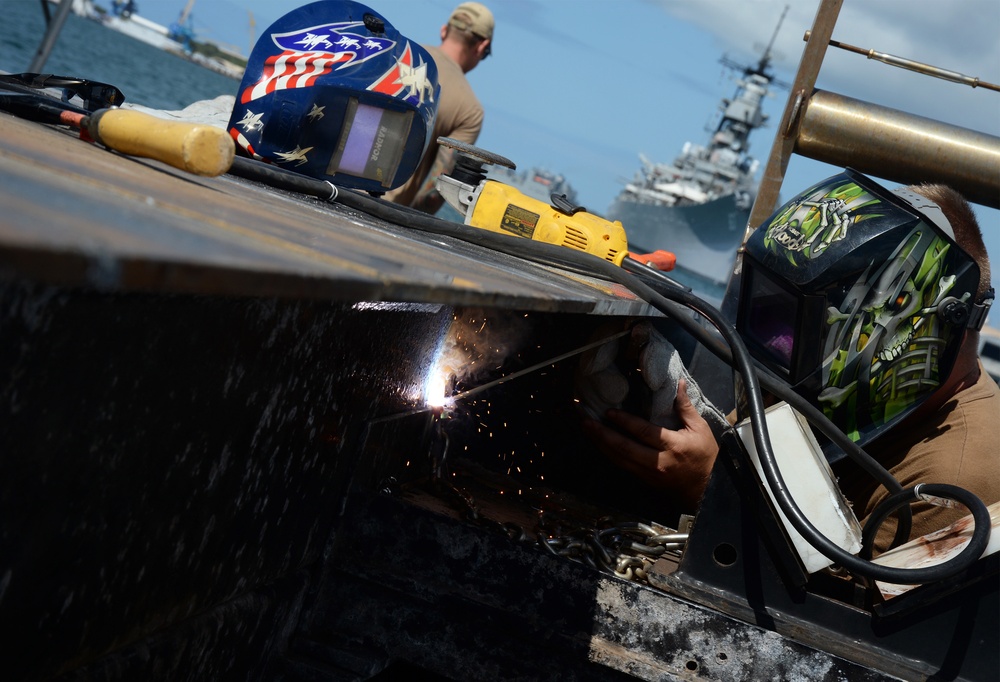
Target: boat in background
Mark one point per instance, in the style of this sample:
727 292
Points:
177 39
125 18
82 8
698 206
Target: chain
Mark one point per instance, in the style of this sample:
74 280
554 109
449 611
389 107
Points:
626 549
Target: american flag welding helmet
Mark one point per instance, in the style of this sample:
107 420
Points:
859 297
333 91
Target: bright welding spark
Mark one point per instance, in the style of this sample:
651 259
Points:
434 391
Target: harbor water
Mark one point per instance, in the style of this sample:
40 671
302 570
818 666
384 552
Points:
86 49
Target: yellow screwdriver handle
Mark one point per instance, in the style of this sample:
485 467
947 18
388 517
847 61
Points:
193 147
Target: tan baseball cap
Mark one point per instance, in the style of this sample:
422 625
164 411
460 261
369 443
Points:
473 17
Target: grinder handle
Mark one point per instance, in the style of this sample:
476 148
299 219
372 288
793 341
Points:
659 260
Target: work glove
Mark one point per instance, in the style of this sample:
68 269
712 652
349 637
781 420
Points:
662 368
655 367
600 385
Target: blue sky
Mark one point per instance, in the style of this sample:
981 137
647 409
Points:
581 87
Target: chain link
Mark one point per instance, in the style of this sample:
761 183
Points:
626 549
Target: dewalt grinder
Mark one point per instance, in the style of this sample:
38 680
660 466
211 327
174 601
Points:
494 206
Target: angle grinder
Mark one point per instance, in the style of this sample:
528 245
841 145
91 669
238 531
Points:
492 205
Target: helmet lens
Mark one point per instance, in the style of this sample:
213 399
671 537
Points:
771 320
371 143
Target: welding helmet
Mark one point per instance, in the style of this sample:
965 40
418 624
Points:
859 297
333 91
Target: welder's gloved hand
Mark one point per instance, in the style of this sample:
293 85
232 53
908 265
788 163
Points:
662 369
600 385
669 435
675 461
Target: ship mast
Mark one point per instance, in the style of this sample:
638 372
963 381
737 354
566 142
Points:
744 113
186 12
182 31
765 59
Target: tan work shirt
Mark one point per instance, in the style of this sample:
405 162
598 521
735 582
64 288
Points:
459 116
958 444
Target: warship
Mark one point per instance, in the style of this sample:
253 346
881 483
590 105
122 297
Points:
698 206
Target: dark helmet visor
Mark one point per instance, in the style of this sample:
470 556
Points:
779 324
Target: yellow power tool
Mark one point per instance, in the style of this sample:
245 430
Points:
495 206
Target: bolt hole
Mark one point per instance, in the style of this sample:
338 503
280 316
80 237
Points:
725 554
691 665
722 656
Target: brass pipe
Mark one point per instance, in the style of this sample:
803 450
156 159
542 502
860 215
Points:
899 147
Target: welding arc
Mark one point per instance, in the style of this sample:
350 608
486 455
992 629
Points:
503 379
195 148
528 370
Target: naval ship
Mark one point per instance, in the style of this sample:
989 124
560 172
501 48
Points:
698 206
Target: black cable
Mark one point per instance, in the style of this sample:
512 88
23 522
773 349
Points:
560 256
927 492
275 176
743 364
784 391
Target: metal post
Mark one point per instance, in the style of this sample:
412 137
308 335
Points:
51 33
784 139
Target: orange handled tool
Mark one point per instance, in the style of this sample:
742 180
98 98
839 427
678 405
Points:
192 147
660 260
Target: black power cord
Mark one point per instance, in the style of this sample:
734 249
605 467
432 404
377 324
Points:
738 357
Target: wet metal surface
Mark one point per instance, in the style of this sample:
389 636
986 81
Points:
77 214
166 456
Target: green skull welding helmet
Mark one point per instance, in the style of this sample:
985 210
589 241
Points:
859 297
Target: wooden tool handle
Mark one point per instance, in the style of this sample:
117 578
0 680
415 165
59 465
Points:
193 147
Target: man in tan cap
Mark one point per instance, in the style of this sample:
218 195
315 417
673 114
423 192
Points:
466 40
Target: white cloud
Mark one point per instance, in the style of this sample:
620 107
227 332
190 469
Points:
960 36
